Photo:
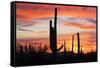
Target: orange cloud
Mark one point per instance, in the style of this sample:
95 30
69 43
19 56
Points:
81 26
31 11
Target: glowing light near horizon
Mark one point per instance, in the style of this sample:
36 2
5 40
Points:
33 24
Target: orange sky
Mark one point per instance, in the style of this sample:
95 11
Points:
28 12
87 41
33 22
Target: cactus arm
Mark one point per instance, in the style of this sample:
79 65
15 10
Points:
60 48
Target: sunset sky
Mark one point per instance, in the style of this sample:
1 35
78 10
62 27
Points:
33 23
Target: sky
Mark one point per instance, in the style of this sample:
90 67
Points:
33 23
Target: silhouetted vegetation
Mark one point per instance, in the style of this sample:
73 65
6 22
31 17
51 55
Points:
53 36
72 43
78 41
28 54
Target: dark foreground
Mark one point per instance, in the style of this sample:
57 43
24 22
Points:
39 58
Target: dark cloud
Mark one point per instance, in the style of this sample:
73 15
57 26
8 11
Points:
35 7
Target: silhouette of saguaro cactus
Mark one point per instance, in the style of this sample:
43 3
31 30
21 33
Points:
78 40
73 43
53 36
65 46
65 49
81 49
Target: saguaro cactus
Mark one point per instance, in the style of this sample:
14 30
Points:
65 46
53 36
65 51
73 43
78 42
81 49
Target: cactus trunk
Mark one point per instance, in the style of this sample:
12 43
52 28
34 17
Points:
73 43
65 51
64 46
78 39
81 48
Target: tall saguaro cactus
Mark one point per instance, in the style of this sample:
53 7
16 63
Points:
78 42
53 36
73 43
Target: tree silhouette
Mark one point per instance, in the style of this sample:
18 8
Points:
45 48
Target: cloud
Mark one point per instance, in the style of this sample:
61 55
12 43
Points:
82 23
28 11
26 30
65 25
35 7
21 16
78 25
24 23
48 6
